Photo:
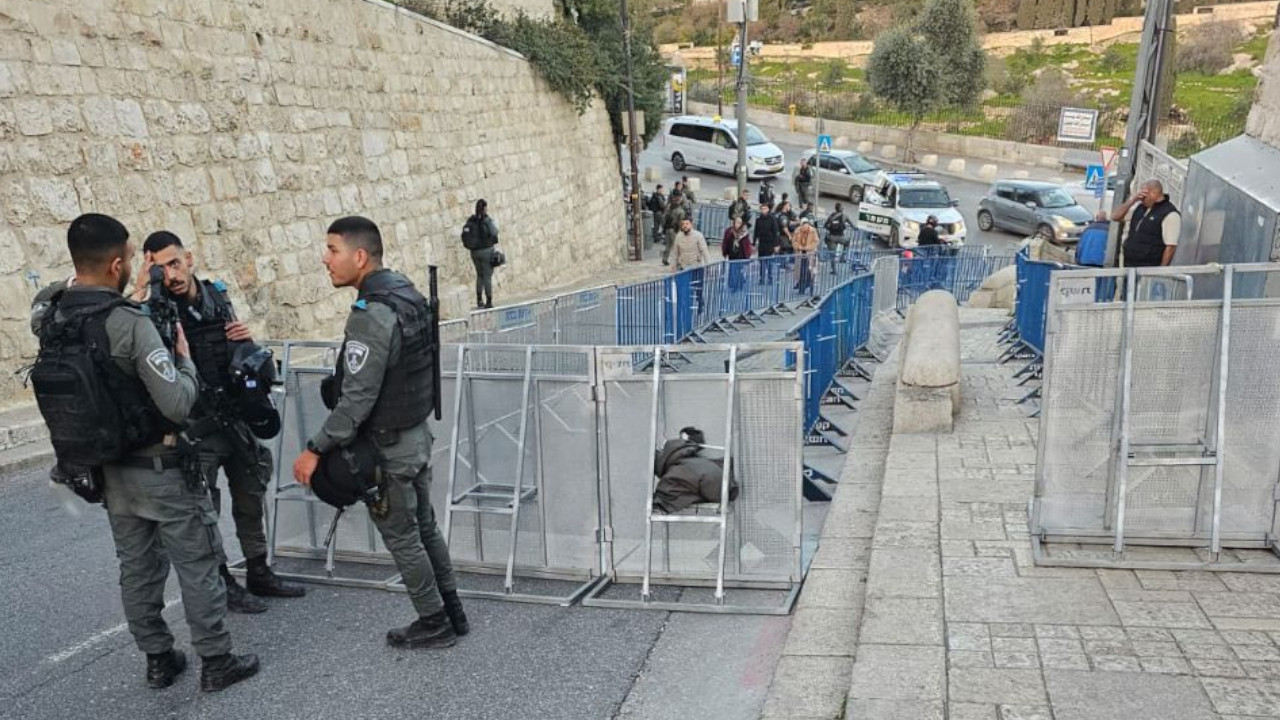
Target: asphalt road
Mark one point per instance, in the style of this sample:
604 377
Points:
968 192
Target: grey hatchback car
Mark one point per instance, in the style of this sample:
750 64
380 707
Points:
1029 206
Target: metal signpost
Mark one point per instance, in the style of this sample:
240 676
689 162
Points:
824 146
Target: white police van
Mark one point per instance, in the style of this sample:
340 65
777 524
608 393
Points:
712 144
898 203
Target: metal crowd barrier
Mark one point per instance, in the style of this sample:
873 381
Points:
712 220
1137 446
959 271
581 317
831 337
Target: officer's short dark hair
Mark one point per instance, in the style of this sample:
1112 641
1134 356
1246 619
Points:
94 240
359 232
160 240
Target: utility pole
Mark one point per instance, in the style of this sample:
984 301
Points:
1144 108
719 76
633 142
742 12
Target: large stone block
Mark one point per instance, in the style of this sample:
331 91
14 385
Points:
928 394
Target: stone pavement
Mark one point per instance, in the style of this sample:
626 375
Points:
958 623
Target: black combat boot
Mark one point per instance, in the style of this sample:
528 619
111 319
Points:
222 671
457 617
238 600
164 668
261 581
433 631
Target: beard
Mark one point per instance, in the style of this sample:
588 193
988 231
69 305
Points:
125 277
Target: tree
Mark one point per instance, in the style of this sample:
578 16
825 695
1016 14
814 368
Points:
951 29
904 71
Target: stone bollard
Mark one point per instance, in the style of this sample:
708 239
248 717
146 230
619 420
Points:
928 392
652 174
695 184
1021 174
988 172
730 193
956 166
928 160
866 146
889 152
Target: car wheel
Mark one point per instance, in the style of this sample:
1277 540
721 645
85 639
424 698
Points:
677 162
1046 232
893 237
855 193
985 221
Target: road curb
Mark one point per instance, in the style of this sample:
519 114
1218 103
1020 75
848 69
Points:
13 467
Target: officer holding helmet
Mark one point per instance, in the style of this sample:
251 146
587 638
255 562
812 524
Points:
233 415
381 394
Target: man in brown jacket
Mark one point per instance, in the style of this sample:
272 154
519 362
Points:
805 241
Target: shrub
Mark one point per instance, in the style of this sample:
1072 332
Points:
1037 118
1207 47
1113 59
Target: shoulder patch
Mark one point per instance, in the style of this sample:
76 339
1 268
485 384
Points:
162 364
356 354
220 286
360 304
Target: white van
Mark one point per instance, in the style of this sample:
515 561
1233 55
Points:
712 144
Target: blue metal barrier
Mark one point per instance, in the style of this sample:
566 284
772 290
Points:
642 311
1033 300
712 221
959 271
831 336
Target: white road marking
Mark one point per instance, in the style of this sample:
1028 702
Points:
97 638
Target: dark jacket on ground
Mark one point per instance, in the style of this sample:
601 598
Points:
686 477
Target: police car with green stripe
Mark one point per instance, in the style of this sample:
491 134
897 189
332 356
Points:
898 203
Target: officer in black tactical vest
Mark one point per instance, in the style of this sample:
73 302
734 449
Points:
1153 227
114 398
224 439
382 393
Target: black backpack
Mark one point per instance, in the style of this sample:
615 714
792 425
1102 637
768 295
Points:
835 224
473 233
73 381
656 202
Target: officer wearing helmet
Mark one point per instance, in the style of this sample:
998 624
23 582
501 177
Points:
233 415
929 232
381 394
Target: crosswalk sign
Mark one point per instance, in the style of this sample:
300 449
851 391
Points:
824 143
1095 176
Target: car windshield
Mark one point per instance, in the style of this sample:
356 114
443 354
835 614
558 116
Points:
923 198
859 164
755 137
1056 198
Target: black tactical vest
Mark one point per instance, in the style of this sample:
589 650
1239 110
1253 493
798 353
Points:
96 413
205 325
407 393
1144 247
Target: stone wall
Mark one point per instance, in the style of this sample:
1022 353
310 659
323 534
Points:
246 126
1264 119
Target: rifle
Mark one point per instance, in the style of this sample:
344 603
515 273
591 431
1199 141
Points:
433 302
162 308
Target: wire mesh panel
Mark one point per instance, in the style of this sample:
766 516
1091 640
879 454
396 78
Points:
525 324
1145 434
886 273
763 532
587 317
641 313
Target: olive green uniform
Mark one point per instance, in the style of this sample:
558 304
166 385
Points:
157 515
408 526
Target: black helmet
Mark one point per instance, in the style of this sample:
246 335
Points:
253 372
348 475
931 220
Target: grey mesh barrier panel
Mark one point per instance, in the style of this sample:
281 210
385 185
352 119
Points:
587 317
453 331
528 323
1159 415
523 449
885 296
764 524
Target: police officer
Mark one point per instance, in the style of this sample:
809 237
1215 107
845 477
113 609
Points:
158 514
384 379
225 440
677 212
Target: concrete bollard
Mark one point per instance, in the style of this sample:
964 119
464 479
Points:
730 193
929 161
695 184
652 174
956 166
889 152
866 146
988 172
842 141
1021 174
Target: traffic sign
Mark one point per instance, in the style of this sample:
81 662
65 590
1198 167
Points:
1095 176
1109 155
735 56
824 143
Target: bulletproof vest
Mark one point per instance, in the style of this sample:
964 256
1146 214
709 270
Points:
407 393
1145 244
206 331
96 412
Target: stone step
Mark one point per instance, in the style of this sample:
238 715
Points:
21 425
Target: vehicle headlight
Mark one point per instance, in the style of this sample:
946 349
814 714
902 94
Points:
912 225
959 224
1063 222
754 160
